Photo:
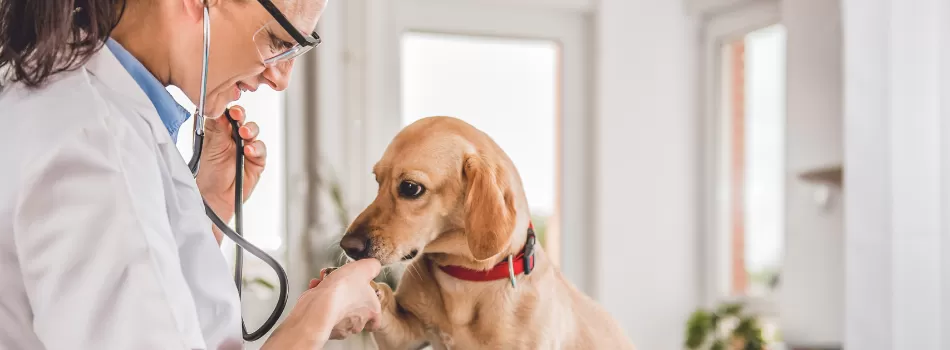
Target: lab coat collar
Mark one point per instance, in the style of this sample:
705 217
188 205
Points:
173 115
106 67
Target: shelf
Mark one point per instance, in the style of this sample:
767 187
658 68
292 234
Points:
831 175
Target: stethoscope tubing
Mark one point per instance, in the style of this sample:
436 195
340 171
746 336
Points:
236 234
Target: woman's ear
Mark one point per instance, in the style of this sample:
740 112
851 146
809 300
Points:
194 8
489 207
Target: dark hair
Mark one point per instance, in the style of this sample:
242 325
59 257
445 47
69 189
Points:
40 38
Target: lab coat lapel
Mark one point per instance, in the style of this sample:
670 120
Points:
104 66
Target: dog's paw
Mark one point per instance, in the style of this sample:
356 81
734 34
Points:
385 294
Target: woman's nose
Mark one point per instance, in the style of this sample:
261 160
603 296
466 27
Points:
277 75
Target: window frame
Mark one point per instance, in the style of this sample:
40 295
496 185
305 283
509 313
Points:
718 29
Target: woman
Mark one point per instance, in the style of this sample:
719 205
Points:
104 243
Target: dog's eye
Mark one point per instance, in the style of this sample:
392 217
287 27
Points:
411 190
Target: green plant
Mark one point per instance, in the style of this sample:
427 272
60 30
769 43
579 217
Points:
724 328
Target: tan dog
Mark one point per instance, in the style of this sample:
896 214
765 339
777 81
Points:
448 191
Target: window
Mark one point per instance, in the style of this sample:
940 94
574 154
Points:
507 88
752 160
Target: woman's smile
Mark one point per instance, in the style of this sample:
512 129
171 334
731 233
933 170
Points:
239 88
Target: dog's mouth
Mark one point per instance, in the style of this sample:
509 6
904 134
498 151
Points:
411 255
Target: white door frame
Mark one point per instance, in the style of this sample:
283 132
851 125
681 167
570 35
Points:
373 66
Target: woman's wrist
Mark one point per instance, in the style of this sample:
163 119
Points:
223 207
223 210
299 333
308 326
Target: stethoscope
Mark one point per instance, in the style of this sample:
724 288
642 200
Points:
237 233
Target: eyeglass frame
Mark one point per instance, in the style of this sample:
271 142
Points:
312 41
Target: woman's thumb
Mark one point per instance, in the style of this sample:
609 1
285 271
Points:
366 269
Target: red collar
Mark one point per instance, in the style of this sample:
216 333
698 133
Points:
521 263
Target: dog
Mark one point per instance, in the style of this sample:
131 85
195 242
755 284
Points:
451 203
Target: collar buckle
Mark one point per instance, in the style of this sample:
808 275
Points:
529 251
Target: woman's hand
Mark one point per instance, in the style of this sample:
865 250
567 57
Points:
216 173
356 321
342 304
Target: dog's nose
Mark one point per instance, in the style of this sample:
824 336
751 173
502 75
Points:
356 246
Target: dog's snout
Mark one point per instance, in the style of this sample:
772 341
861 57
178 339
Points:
357 246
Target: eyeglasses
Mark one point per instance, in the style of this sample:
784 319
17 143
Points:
272 48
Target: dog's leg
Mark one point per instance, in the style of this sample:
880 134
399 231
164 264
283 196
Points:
399 329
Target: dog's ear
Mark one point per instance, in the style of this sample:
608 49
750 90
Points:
489 207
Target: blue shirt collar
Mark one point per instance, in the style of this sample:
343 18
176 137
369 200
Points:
173 115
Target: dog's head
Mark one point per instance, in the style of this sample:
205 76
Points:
444 187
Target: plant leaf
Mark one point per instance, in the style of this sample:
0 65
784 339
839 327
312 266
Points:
749 328
730 309
753 345
718 345
697 328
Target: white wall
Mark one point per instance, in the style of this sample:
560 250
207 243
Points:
897 148
811 292
646 140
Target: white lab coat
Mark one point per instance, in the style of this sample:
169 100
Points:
104 243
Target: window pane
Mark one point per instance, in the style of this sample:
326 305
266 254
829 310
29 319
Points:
508 88
753 117
264 223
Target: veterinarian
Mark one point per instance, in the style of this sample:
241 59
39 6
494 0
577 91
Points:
104 242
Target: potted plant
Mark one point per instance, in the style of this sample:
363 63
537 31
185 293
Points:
725 328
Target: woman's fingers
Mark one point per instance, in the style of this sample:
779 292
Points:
256 151
374 323
249 131
237 113
365 269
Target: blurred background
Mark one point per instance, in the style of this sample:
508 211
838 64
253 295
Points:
681 157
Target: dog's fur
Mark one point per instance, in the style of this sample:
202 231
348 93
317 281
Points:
473 213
